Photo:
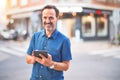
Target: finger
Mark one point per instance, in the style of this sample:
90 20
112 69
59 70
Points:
32 54
42 56
38 59
35 58
49 56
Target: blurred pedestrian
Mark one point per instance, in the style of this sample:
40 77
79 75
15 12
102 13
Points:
57 45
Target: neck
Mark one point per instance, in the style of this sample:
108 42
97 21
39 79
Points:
49 33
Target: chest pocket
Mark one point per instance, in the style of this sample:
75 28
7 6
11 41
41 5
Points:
39 42
56 53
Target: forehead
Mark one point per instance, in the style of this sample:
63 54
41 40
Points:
48 12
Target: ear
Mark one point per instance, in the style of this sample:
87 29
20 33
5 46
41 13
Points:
57 18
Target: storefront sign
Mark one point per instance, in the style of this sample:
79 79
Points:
97 11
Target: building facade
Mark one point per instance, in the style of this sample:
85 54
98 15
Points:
79 20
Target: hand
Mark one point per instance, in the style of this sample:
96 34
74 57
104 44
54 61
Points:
30 59
44 61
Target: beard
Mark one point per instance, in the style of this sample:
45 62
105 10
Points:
48 26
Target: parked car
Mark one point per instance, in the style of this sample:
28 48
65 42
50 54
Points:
8 34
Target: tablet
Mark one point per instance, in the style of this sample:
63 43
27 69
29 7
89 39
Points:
43 52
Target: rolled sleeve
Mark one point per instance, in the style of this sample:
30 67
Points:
31 45
66 51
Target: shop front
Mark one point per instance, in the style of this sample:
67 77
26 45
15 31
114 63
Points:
77 23
90 24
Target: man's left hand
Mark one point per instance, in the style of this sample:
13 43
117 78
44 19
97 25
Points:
44 61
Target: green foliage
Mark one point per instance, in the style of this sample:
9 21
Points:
119 37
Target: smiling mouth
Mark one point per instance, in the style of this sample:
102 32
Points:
49 26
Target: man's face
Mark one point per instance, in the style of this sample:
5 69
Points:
49 19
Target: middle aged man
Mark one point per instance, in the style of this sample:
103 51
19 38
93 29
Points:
57 45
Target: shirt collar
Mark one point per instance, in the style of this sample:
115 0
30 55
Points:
54 35
43 33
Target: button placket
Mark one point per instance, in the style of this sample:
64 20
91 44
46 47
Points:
41 67
45 44
40 76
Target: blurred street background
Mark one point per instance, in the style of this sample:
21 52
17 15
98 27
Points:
93 27
96 60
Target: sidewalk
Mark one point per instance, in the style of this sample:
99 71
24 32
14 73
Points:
83 47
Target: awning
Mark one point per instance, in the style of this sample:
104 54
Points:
21 15
70 9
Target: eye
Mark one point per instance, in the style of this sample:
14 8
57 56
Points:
51 18
44 17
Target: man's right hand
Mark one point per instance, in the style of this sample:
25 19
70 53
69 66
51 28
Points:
30 59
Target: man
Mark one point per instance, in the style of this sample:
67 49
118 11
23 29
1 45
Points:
57 45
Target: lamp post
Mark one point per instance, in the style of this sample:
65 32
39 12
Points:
116 20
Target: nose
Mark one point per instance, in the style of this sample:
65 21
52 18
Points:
48 20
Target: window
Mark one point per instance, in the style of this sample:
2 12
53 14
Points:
100 0
102 26
13 3
88 26
35 1
119 2
110 1
63 0
23 2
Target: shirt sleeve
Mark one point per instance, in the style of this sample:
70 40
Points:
66 50
31 45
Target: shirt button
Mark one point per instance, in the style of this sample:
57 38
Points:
45 47
40 76
41 66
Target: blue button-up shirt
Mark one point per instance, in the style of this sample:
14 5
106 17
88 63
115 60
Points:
58 46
